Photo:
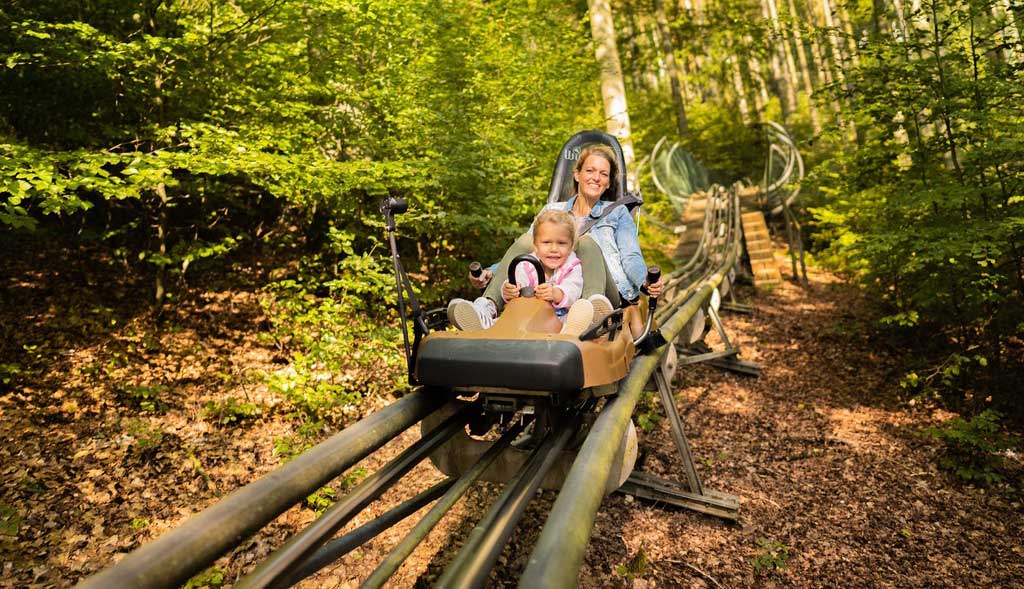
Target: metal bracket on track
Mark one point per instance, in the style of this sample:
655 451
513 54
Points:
726 359
693 495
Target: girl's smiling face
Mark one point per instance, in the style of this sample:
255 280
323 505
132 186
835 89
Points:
553 242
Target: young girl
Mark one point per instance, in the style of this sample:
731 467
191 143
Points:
554 235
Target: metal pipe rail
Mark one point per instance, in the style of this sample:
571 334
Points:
558 554
301 546
173 558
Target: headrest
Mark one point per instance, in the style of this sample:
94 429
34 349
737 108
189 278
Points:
561 179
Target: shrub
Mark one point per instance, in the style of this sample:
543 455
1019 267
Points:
231 410
771 555
971 447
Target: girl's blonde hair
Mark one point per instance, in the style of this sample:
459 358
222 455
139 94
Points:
557 217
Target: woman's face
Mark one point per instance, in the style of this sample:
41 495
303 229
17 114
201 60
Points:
593 177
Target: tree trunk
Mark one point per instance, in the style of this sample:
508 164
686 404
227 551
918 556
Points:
851 39
1010 30
805 69
741 92
668 52
837 58
780 78
161 236
613 91
761 91
785 54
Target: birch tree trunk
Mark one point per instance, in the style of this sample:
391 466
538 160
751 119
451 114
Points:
851 39
613 91
784 52
805 69
837 58
668 52
1010 30
741 92
787 95
761 91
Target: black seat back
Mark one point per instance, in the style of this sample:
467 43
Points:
562 184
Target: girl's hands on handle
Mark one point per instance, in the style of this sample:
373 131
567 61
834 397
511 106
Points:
509 291
548 292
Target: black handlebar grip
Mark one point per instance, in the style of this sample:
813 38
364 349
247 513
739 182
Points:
394 205
653 274
475 269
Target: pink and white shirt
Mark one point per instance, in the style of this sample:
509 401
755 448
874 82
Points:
568 277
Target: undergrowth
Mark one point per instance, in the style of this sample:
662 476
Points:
339 351
972 448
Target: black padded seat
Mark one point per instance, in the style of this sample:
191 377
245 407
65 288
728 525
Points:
562 189
531 365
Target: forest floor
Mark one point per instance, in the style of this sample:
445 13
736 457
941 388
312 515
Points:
112 437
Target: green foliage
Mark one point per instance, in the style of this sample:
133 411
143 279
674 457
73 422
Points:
339 354
10 521
305 436
211 578
321 499
146 396
189 133
972 447
771 555
147 437
231 410
140 523
636 567
324 497
924 209
648 414
9 371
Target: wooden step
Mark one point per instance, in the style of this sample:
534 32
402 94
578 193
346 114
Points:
760 251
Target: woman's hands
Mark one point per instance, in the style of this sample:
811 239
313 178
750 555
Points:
483 280
656 289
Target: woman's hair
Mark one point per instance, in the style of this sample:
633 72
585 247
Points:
557 217
597 149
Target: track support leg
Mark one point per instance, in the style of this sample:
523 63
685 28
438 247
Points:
727 359
693 495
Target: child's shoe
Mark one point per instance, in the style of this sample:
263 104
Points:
602 306
467 316
579 318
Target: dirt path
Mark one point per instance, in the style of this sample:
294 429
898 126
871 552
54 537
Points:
833 481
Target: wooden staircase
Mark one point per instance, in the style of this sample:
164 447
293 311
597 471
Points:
693 221
759 248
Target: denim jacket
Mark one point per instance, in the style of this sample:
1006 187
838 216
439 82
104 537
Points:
616 235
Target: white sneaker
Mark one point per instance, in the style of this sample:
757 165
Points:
579 318
463 315
475 316
602 306
486 310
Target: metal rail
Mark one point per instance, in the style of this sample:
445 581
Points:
173 558
304 544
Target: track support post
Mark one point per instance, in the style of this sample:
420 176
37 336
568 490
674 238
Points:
728 358
693 495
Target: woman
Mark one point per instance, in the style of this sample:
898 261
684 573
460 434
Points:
610 252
